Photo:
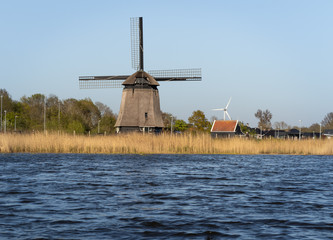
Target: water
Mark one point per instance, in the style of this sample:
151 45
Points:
61 196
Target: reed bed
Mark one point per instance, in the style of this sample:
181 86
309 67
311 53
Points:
158 144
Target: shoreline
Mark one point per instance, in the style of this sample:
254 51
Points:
159 144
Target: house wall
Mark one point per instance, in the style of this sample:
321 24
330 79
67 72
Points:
222 134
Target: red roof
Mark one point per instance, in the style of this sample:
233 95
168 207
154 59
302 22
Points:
224 126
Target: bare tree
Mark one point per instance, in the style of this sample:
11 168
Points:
281 125
313 128
264 118
328 121
168 119
213 118
104 109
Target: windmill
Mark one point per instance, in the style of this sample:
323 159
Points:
140 103
225 110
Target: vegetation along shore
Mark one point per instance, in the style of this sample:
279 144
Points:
158 144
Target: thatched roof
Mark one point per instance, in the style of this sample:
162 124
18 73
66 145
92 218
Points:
131 80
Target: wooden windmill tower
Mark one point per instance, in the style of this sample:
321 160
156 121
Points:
140 102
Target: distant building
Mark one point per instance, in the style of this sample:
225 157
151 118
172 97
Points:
328 133
274 133
311 135
271 133
293 133
225 129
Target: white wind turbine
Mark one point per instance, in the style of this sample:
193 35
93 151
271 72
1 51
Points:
225 110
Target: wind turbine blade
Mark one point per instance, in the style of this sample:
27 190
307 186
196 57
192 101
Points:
218 109
228 115
228 103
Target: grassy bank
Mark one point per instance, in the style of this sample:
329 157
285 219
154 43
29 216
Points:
161 144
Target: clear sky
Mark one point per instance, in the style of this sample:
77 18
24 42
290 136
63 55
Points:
275 55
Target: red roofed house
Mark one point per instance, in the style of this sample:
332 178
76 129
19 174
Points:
225 129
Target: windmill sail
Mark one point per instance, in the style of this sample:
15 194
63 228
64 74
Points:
90 82
137 43
191 74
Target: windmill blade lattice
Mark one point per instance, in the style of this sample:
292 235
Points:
191 74
94 82
136 43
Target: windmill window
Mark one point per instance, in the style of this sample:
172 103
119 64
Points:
146 115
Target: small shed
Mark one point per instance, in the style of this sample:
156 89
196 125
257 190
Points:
225 129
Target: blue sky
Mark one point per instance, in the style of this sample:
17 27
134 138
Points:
275 55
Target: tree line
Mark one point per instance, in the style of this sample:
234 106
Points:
265 116
38 113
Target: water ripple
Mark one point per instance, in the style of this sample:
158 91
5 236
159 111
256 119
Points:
69 196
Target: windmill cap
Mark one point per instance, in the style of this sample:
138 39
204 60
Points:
131 80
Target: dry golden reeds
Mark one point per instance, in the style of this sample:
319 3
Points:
158 144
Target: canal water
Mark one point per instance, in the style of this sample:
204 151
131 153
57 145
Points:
72 196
